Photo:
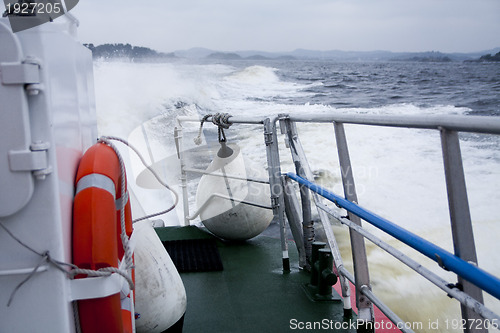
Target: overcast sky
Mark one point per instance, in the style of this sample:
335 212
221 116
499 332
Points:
285 25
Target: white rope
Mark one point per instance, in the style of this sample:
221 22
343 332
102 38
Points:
75 270
158 178
127 256
198 140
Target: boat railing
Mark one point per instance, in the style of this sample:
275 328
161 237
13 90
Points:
472 280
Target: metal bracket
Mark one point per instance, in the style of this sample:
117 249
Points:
268 138
35 160
19 73
275 202
283 126
457 285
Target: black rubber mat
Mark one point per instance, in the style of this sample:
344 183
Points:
194 255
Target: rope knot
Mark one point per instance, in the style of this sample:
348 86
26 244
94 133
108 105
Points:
221 120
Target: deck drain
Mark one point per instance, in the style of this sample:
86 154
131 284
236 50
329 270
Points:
194 255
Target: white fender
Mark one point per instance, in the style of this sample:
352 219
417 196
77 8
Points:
160 295
232 219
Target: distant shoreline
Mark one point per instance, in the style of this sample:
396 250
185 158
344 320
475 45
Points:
139 54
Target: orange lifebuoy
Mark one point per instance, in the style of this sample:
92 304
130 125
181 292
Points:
96 236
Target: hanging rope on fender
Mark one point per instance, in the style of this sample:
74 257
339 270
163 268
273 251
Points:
221 120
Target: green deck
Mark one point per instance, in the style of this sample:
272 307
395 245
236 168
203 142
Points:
252 294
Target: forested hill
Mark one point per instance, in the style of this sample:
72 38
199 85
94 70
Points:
110 51
489 57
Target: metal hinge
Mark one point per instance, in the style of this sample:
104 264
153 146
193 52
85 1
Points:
14 73
35 159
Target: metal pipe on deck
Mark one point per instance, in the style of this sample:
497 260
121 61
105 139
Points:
292 211
461 224
305 198
180 155
360 262
274 170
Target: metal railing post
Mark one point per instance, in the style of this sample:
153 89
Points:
292 210
361 271
307 221
305 198
180 155
301 163
461 225
274 169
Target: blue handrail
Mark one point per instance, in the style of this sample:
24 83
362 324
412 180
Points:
470 272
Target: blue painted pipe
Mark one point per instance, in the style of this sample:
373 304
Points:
471 273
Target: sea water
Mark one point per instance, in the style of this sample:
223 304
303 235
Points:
398 172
